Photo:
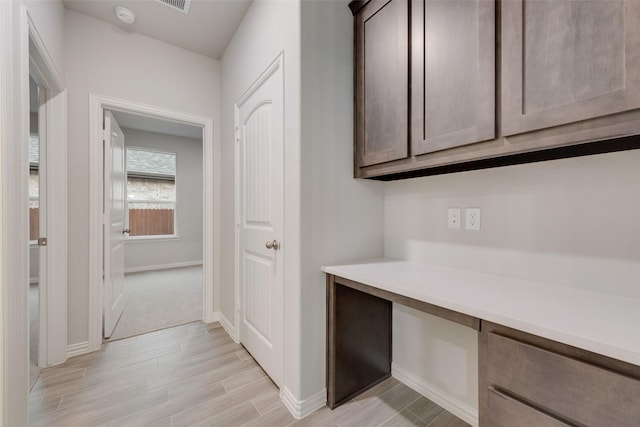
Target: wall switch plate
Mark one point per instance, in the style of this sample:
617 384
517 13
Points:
454 218
472 219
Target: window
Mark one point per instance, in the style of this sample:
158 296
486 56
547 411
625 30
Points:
151 192
34 194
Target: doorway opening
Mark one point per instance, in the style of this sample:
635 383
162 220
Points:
25 56
101 295
160 233
46 181
35 177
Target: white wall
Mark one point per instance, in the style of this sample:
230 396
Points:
328 215
567 222
342 218
106 60
187 248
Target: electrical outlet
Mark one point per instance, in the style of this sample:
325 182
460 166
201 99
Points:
472 219
454 218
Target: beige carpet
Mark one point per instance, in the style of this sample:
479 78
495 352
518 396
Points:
160 299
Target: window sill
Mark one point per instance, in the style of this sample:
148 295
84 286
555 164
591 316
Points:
151 239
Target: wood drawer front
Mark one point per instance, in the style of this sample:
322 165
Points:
508 412
577 391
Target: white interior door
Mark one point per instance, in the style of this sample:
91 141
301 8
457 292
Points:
42 228
114 226
259 124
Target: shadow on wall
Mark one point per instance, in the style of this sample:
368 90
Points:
561 222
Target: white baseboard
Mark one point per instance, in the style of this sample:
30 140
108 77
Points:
231 330
77 349
460 409
162 266
301 408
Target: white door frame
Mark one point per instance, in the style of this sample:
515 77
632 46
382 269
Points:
53 295
211 208
22 46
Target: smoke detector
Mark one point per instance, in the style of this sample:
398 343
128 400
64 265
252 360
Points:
181 5
125 15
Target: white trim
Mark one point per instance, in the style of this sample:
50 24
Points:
78 349
162 266
301 408
53 258
236 223
17 30
211 205
458 408
5 136
228 327
42 66
14 125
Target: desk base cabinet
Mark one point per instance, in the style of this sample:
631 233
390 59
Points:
524 380
358 342
359 335
524 377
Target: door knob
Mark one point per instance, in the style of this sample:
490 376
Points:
126 230
274 244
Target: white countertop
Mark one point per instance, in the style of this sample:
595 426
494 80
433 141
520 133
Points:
598 322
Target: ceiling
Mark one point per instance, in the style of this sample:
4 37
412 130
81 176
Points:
151 124
207 28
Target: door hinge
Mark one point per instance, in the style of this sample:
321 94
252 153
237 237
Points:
42 241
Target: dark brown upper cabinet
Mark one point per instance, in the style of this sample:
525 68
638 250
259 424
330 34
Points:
452 73
424 79
382 82
567 61
426 74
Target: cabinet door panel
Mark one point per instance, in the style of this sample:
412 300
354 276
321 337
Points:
452 73
382 79
567 61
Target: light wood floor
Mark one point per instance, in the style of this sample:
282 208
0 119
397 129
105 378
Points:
195 375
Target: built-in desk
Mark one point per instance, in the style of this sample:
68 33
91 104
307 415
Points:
570 336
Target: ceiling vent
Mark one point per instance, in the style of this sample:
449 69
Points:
181 5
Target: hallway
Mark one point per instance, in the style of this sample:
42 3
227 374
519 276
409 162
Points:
196 375
170 377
